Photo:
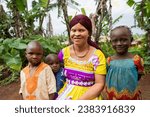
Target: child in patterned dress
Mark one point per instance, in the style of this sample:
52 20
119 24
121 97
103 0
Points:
124 68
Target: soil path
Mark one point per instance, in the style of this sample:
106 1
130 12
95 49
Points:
145 87
10 92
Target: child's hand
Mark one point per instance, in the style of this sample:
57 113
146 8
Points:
21 97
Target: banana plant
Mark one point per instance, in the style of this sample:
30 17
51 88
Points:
23 19
142 16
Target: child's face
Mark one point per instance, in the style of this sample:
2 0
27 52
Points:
34 55
54 64
121 40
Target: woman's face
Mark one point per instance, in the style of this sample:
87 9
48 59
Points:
79 34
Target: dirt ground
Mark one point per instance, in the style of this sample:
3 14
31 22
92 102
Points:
145 87
10 92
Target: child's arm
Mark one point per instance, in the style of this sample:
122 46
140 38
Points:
20 90
51 83
138 61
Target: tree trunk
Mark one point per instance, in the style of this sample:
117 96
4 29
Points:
110 15
16 18
49 30
41 19
101 12
65 13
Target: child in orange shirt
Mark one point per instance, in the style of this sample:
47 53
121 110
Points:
37 79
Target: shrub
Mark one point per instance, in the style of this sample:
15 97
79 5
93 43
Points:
13 57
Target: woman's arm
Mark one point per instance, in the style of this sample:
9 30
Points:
96 89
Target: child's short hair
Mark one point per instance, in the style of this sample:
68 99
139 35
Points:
123 26
49 57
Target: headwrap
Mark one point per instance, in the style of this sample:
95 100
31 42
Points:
86 22
83 20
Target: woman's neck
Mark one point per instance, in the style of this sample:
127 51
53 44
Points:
81 51
81 47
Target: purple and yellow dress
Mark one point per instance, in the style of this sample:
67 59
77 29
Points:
122 78
80 74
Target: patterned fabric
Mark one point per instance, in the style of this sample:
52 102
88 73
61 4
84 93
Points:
122 78
39 85
60 79
80 74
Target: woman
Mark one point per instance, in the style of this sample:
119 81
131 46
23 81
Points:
84 64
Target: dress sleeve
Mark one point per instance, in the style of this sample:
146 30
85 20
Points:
139 63
50 79
21 84
108 63
99 62
60 56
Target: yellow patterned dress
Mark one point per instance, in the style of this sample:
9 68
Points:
80 74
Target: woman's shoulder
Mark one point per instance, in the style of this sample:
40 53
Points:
65 48
65 52
98 52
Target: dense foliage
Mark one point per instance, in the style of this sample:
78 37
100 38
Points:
142 18
12 53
